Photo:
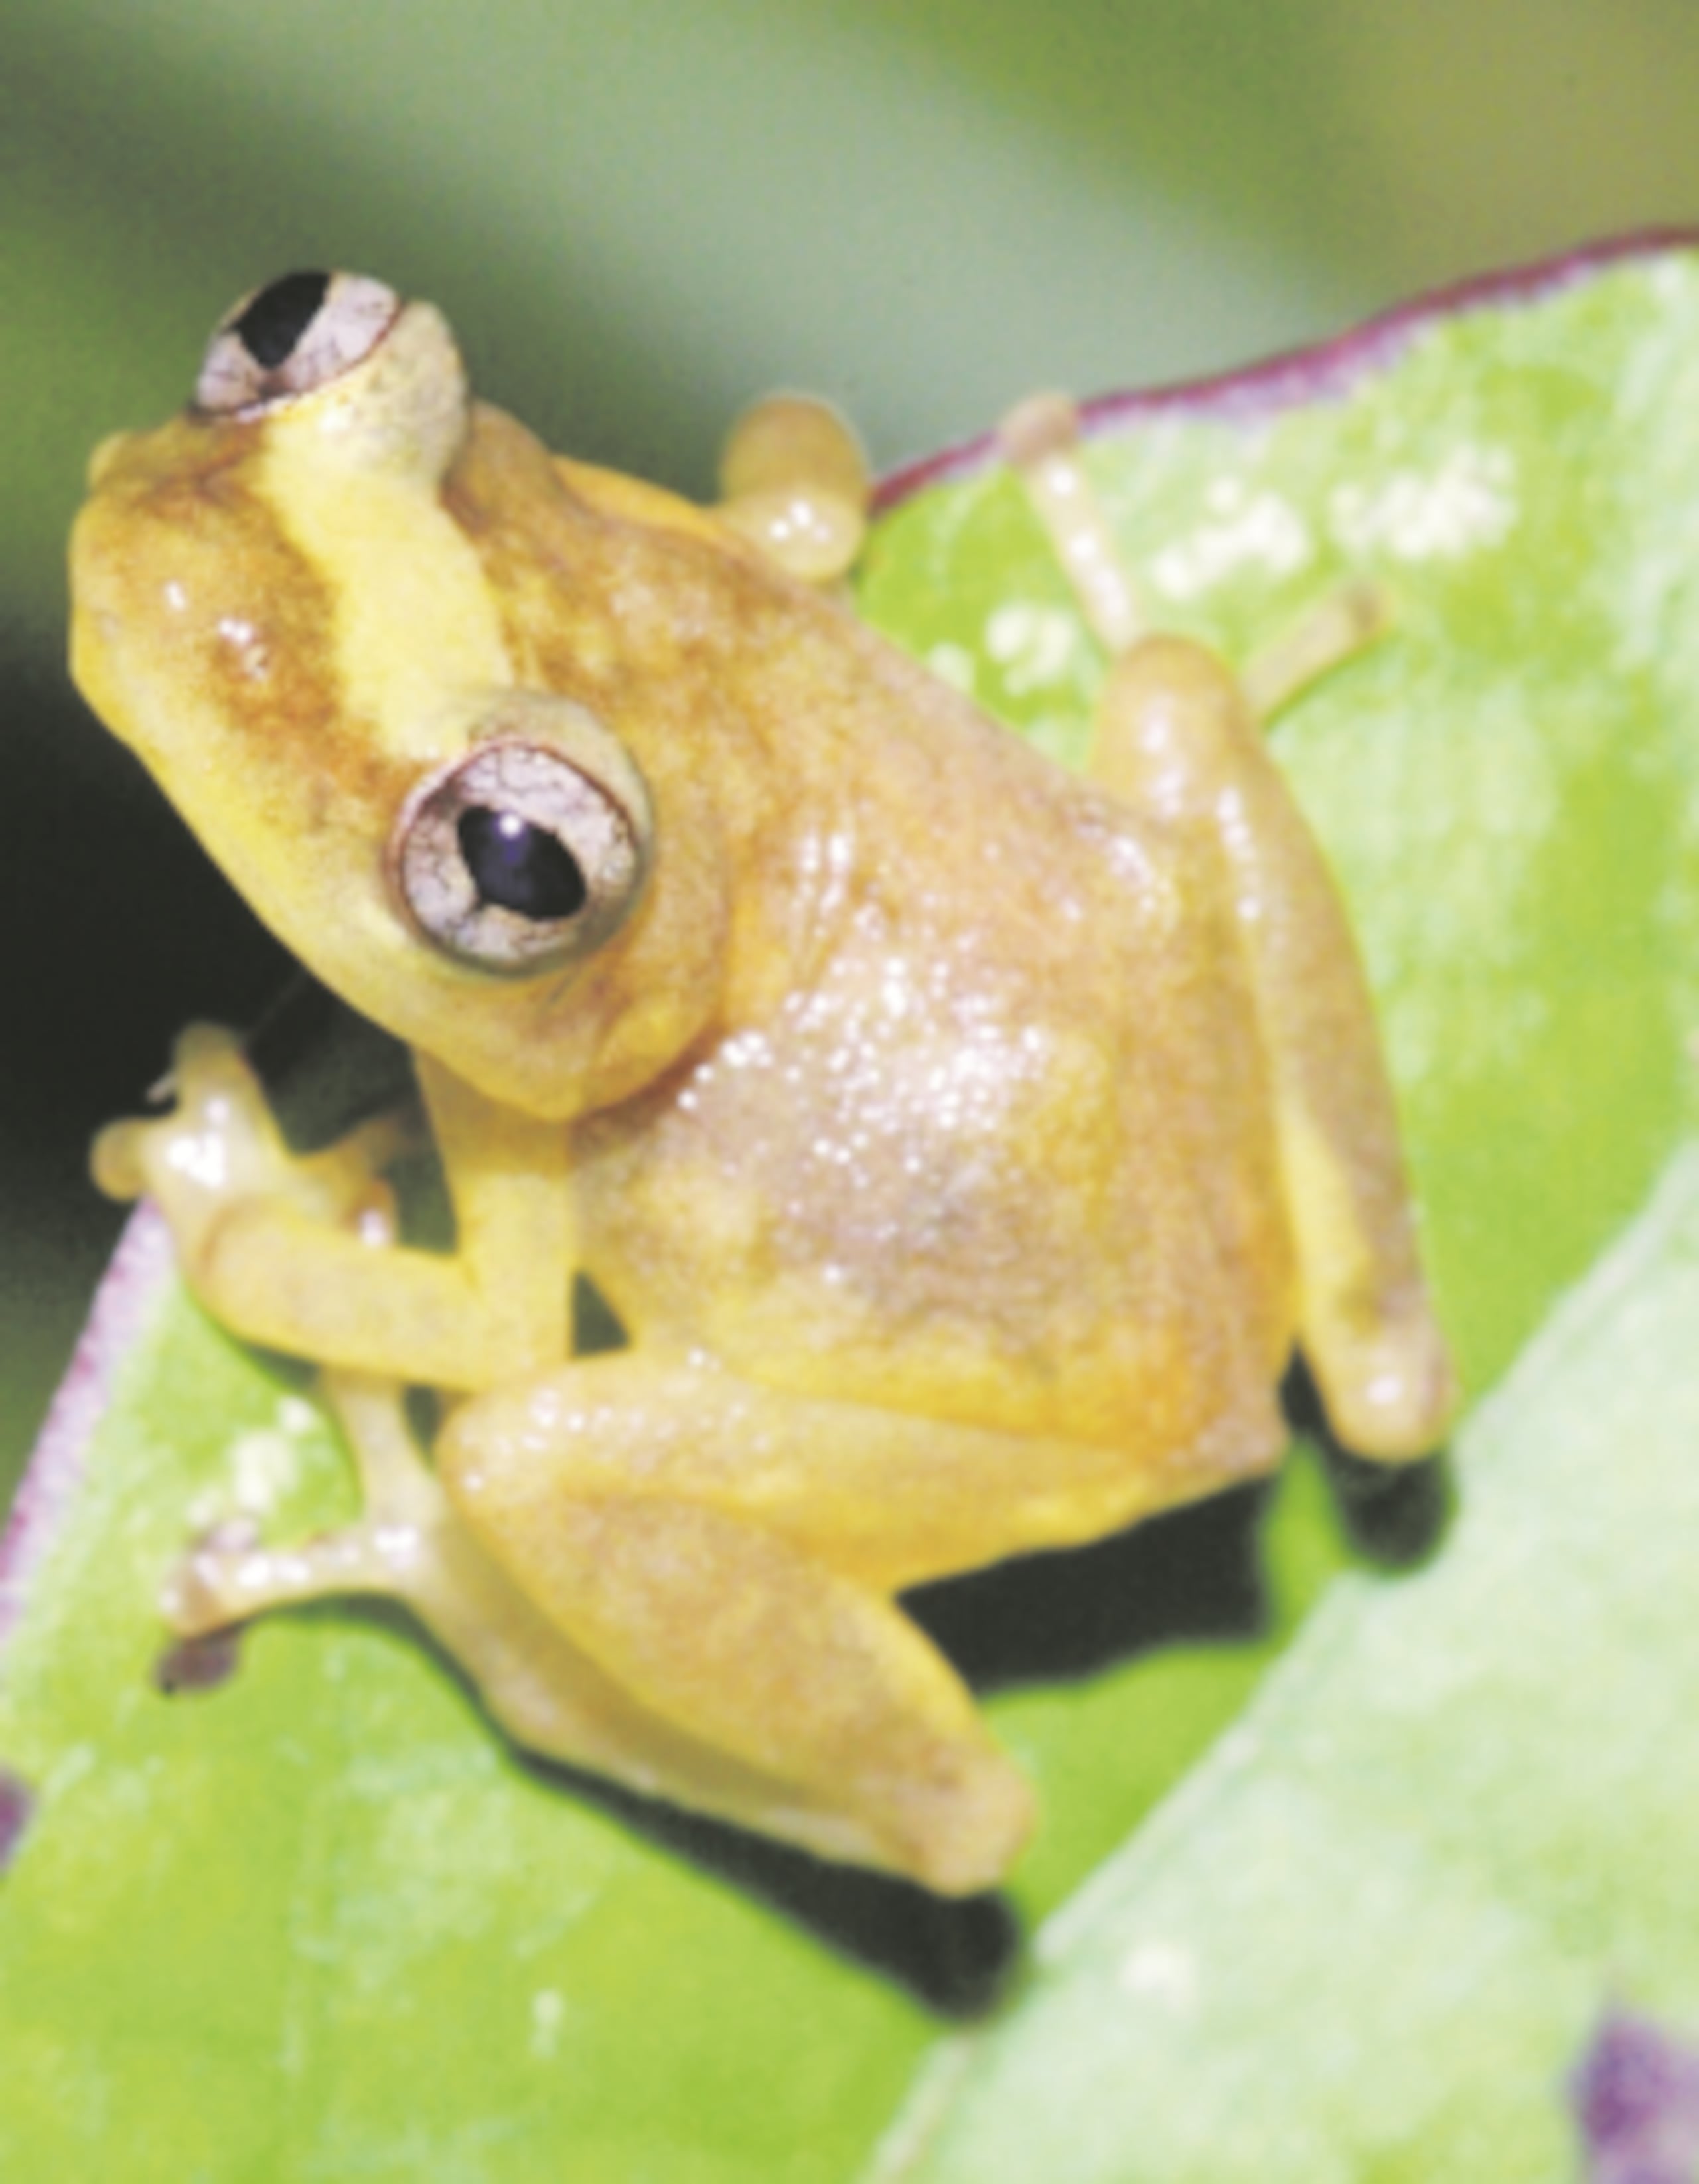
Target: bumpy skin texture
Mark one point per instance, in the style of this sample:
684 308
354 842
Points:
963 1145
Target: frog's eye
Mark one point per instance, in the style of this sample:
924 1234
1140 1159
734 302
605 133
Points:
298 334
516 859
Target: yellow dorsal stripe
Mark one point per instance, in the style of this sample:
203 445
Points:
414 622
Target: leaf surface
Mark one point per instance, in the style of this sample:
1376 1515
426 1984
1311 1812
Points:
1374 1933
321 1923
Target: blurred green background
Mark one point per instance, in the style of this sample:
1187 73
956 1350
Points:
639 213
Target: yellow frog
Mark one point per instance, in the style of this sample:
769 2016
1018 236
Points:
963 1145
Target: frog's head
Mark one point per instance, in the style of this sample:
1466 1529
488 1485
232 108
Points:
288 605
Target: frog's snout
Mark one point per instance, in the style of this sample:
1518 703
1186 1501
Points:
97 621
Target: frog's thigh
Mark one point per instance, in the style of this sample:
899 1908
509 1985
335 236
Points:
612 1493
1177 738
957 1826
725 1552
884 1498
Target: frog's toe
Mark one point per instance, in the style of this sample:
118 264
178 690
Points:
1399 1398
231 1574
204 1048
203 1591
963 1833
210 1073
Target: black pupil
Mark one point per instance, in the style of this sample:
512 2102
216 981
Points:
520 867
279 315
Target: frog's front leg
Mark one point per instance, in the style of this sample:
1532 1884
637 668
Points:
1177 738
299 1254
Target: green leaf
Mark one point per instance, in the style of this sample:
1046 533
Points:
1372 1934
1505 784
321 1923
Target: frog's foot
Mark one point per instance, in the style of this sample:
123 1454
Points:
1041 438
407 1543
795 481
1390 1389
229 1574
220 1147
1345 621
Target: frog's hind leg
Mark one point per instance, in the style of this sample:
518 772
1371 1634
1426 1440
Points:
1176 734
1177 738
228 1576
615 1500
729 1553
864 1740
777 1683
407 1544
411 1545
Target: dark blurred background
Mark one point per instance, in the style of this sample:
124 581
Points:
639 213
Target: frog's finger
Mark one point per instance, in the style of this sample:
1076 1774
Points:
346 1180
381 1140
207 1059
813 536
795 481
794 439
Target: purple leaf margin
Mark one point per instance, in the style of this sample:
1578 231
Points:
1324 373
1636 2098
131 1290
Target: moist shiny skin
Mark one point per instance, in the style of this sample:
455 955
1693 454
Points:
961 1155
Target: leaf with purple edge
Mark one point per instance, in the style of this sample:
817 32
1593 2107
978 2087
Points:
1369 1934
319 1921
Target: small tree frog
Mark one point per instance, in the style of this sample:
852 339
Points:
964 1145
